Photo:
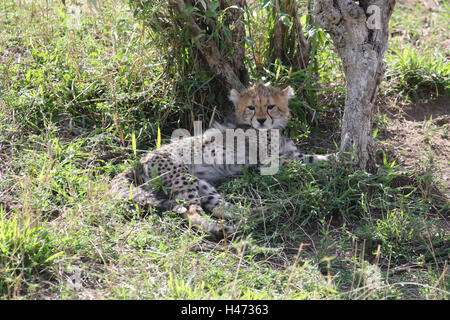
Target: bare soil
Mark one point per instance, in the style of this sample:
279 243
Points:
419 136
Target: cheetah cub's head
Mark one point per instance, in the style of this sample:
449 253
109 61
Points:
262 107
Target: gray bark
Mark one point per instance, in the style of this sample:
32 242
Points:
360 34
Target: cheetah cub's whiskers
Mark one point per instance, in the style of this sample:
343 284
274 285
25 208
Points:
261 112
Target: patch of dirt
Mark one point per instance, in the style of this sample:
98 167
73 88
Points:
324 137
431 5
421 111
419 135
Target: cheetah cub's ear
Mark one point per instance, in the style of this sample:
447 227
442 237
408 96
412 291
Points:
289 92
234 96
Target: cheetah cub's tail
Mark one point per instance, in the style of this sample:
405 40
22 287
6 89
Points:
291 151
313 158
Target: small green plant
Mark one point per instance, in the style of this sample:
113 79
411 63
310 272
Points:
156 181
25 251
414 71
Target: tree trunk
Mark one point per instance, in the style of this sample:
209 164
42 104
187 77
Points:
360 34
231 75
236 43
288 44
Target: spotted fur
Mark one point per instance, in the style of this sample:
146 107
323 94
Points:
188 187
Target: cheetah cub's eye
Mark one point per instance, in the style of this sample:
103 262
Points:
270 107
251 108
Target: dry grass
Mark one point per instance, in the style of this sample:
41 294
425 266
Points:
72 100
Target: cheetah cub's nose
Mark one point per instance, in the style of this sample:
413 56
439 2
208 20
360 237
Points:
261 120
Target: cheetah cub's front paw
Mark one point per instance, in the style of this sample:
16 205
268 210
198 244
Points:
224 211
196 216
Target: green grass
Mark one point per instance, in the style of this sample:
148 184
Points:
417 57
411 71
79 103
26 252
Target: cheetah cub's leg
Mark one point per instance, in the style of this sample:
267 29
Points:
185 188
123 187
212 201
195 216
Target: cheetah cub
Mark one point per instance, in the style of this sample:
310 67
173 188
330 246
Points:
179 175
